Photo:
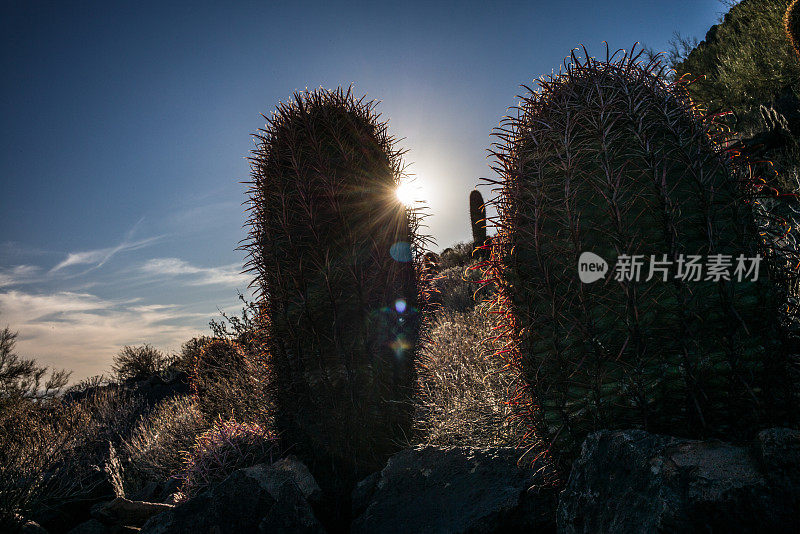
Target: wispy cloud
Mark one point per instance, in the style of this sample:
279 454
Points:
228 275
17 275
98 257
82 332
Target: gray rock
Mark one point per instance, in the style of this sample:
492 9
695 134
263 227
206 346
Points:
453 490
635 482
122 511
261 498
31 527
93 526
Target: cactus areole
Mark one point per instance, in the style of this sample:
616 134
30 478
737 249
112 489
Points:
609 158
335 256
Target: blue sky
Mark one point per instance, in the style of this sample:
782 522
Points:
126 126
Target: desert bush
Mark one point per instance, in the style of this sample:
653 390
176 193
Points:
54 452
22 378
746 60
464 387
459 255
156 448
223 449
458 288
230 382
140 362
243 328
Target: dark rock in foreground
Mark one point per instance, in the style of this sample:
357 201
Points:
262 498
636 482
452 490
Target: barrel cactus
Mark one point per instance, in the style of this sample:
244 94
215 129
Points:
791 22
609 158
337 260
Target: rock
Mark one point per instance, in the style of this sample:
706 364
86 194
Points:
262 498
31 527
632 481
122 511
291 469
454 489
167 494
93 526
66 514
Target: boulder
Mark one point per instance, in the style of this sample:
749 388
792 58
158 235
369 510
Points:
632 481
93 526
455 489
122 511
262 498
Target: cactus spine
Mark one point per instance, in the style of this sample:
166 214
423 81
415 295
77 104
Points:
477 218
607 157
791 22
336 258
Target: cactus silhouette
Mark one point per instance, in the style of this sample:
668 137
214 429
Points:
336 258
609 158
477 217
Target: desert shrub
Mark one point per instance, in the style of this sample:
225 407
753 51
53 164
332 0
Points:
136 363
458 288
459 255
230 382
54 452
463 387
243 328
745 60
155 450
22 378
221 450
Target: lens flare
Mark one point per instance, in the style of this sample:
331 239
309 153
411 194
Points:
410 192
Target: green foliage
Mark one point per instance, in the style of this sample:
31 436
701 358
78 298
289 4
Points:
477 218
744 61
137 363
607 157
336 257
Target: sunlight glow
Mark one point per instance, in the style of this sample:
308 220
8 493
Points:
410 192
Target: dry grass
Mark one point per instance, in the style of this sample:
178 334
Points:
463 389
157 447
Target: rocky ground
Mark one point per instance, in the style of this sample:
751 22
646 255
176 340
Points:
624 481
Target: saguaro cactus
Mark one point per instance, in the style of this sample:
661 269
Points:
477 218
336 258
609 158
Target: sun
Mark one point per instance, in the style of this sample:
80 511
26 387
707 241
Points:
410 192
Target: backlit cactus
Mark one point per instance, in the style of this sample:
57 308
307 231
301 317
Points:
609 158
337 259
477 219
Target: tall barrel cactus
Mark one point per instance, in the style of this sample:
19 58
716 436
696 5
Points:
477 219
607 157
336 257
791 22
